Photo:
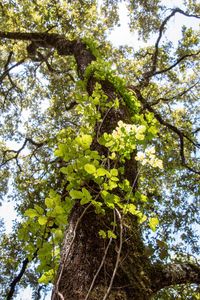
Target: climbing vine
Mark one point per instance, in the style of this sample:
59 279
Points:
89 176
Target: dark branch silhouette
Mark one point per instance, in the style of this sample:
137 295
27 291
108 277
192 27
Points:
17 279
17 152
177 96
155 55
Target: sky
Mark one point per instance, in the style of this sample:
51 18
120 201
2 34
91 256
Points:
120 36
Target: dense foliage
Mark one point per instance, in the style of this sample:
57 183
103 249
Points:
114 129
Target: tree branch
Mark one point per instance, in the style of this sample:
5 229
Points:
175 64
153 71
17 279
66 47
177 96
173 128
7 70
172 274
17 152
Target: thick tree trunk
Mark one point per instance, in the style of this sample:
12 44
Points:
82 256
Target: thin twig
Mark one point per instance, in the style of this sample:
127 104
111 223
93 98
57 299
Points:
118 254
17 152
104 117
6 72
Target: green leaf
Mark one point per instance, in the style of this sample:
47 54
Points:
49 202
110 143
39 209
132 209
111 234
112 185
84 201
64 170
114 178
90 169
87 139
47 277
114 172
153 130
42 220
101 172
58 210
31 213
142 219
58 233
143 198
86 194
84 141
153 222
76 194
102 234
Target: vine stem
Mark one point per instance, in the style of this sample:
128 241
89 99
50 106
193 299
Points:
67 254
102 262
118 254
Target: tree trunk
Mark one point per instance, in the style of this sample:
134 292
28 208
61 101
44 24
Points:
83 250
82 254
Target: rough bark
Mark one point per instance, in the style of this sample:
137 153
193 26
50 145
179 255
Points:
81 261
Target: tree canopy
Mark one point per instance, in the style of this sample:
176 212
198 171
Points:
99 151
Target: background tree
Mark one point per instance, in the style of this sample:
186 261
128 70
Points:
108 163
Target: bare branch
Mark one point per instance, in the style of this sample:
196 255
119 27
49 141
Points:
175 64
45 40
177 96
6 72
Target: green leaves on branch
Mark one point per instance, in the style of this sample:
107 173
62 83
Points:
102 70
44 229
